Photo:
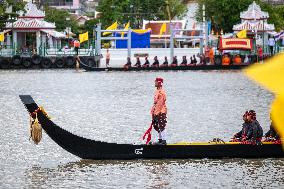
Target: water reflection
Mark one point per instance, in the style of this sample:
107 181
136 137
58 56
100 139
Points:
158 173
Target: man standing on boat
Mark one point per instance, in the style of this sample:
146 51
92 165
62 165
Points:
159 111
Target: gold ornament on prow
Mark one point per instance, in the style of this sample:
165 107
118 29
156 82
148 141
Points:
35 126
44 112
35 130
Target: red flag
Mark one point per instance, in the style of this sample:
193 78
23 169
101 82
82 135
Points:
148 134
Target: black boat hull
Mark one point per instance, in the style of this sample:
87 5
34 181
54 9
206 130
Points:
169 68
91 149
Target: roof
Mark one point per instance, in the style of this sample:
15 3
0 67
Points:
31 11
155 26
83 18
254 25
30 24
53 33
254 13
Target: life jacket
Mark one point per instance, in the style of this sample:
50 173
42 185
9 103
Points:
226 61
76 44
237 60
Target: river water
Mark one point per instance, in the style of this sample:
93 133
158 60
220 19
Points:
115 107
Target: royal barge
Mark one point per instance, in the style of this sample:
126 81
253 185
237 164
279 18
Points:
98 150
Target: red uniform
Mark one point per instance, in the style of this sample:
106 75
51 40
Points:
159 109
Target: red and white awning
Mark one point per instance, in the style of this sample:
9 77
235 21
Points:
30 24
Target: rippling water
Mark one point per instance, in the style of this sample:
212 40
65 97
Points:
114 107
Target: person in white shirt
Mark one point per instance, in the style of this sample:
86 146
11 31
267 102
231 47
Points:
271 44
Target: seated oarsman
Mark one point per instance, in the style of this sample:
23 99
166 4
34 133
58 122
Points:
226 60
194 60
166 63
184 61
175 62
156 62
191 62
237 59
147 63
257 131
202 60
272 135
138 62
128 63
243 134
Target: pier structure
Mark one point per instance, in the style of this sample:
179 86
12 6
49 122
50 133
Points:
254 21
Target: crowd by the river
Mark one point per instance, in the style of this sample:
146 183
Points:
252 132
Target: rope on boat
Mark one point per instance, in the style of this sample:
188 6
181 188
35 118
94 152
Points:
35 126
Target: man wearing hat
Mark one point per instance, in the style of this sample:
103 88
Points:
159 111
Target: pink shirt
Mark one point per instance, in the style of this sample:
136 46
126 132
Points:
159 102
107 55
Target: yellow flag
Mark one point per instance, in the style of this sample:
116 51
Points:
163 28
83 37
2 36
271 75
125 28
242 34
277 114
111 27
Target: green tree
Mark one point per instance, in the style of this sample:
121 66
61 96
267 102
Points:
89 27
226 13
59 18
136 11
276 15
16 6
